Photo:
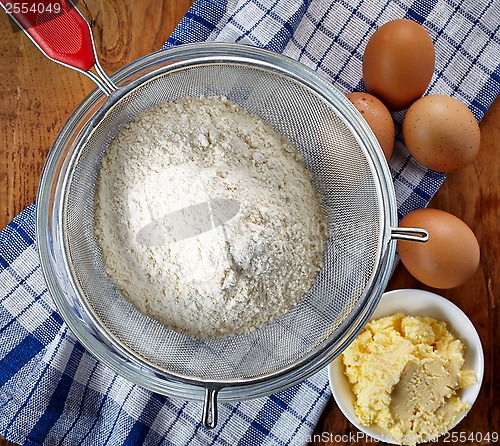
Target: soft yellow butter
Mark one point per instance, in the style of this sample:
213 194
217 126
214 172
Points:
405 373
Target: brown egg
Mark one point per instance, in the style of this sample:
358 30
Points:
398 63
378 118
441 133
451 255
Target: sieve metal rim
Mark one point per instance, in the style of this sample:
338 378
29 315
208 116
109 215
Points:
308 365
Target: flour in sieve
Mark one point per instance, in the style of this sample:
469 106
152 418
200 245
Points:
164 173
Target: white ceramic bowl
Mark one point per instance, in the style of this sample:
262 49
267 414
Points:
415 303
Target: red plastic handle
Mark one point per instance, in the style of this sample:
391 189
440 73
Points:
57 27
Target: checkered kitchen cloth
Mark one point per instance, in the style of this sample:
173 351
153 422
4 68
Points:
52 391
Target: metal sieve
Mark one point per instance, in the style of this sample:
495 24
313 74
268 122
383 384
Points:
348 170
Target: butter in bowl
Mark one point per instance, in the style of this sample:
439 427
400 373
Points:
414 371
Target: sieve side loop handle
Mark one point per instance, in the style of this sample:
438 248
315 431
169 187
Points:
210 408
410 234
61 33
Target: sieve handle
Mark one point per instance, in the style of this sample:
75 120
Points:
210 408
61 33
410 234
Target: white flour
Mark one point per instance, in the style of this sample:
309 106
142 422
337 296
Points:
169 181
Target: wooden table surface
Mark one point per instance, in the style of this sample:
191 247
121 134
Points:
37 97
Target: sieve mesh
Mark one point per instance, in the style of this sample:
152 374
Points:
351 203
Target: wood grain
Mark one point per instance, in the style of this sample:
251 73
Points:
471 194
123 32
38 96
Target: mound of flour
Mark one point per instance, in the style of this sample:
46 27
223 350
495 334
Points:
206 218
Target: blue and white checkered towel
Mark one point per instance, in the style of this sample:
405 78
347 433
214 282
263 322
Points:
52 391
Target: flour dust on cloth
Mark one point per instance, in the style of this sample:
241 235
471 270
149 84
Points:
53 392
